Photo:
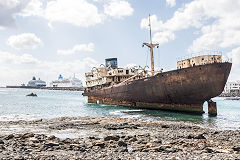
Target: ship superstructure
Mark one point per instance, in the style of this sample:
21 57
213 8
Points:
36 83
109 74
66 82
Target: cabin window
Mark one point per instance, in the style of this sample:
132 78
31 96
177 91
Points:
120 71
127 71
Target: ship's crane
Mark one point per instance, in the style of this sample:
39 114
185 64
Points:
151 46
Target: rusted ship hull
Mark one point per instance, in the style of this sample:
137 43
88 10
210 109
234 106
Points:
179 90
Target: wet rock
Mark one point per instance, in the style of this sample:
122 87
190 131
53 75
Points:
51 137
236 148
1 141
28 135
121 126
32 95
199 136
9 137
2 147
100 144
172 150
165 126
51 143
215 150
124 150
134 139
114 138
34 140
122 144
149 145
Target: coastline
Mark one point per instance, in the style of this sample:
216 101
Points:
114 138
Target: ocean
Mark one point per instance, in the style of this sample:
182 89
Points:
15 106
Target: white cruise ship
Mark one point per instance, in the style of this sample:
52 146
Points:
36 83
67 83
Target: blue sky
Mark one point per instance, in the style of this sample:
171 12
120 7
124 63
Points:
45 38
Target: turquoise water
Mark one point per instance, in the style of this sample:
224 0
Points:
14 105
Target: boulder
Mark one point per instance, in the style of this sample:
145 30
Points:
9 137
114 138
28 135
32 95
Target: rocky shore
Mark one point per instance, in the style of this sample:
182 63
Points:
114 138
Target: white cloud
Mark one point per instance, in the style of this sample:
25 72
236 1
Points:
76 12
171 3
118 9
218 22
8 9
77 48
33 8
18 69
7 58
81 13
163 37
24 41
234 55
155 23
221 34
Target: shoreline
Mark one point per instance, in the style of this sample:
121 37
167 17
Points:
114 138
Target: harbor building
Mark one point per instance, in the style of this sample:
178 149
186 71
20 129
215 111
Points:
232 87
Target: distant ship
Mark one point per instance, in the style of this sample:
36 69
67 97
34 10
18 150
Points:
34 83
67 82
196 80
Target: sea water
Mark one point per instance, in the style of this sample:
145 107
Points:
15 105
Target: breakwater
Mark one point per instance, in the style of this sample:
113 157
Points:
50 88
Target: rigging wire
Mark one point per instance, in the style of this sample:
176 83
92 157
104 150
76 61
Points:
159 59
147 59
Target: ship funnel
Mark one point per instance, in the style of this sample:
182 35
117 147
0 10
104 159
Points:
111 62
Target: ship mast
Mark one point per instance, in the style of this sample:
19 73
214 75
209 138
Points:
151 46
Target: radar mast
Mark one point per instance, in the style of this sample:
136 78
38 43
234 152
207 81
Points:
151 46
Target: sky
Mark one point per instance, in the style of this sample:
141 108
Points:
45 38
